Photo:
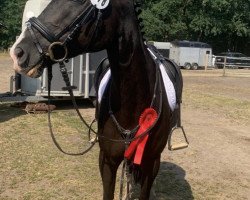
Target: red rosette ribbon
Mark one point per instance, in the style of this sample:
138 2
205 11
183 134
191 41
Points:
147 119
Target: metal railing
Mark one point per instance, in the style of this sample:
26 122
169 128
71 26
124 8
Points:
232 62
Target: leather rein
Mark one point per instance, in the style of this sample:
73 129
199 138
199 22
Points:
73 29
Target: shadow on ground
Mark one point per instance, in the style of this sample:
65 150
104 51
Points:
12 110
170 183
67 104
8 112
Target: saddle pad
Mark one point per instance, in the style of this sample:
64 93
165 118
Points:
103 84
169 87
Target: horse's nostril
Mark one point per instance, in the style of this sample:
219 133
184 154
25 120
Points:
19 52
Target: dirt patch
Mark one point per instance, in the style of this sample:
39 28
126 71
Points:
216 113
216 162
6 72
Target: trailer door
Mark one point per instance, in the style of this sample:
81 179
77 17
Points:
205 58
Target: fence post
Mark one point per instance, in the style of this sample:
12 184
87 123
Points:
206 62
224 67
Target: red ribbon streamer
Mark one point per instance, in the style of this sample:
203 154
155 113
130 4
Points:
147 119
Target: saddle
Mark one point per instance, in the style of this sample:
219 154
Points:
174 73
100 72
172 69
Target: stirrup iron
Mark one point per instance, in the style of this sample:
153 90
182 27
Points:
183 145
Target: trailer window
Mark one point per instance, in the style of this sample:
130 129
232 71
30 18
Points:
164 52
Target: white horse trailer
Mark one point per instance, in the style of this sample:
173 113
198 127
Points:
191 55
163 47
81 69
187 54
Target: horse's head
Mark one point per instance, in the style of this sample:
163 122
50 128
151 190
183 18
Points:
65 29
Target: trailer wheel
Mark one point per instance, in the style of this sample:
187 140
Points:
195 66
187 66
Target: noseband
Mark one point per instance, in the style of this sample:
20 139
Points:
56 43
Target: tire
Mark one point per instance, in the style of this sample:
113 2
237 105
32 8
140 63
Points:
187 66
195 66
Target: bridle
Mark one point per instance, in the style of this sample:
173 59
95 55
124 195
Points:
55 40
57 44
91 13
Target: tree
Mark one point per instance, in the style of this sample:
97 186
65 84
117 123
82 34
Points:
225 20
164 20
222 23
11 16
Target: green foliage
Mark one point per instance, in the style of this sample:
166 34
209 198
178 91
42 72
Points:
11 16
223 23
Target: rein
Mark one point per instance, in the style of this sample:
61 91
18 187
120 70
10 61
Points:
127 133
70 90
56 44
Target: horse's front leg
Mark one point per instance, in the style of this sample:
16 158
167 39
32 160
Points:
149 172
108 168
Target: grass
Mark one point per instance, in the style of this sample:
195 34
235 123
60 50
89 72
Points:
233 109
32 168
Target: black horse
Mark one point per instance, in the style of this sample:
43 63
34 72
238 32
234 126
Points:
67 28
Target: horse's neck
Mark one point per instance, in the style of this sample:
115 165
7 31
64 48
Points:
133 73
